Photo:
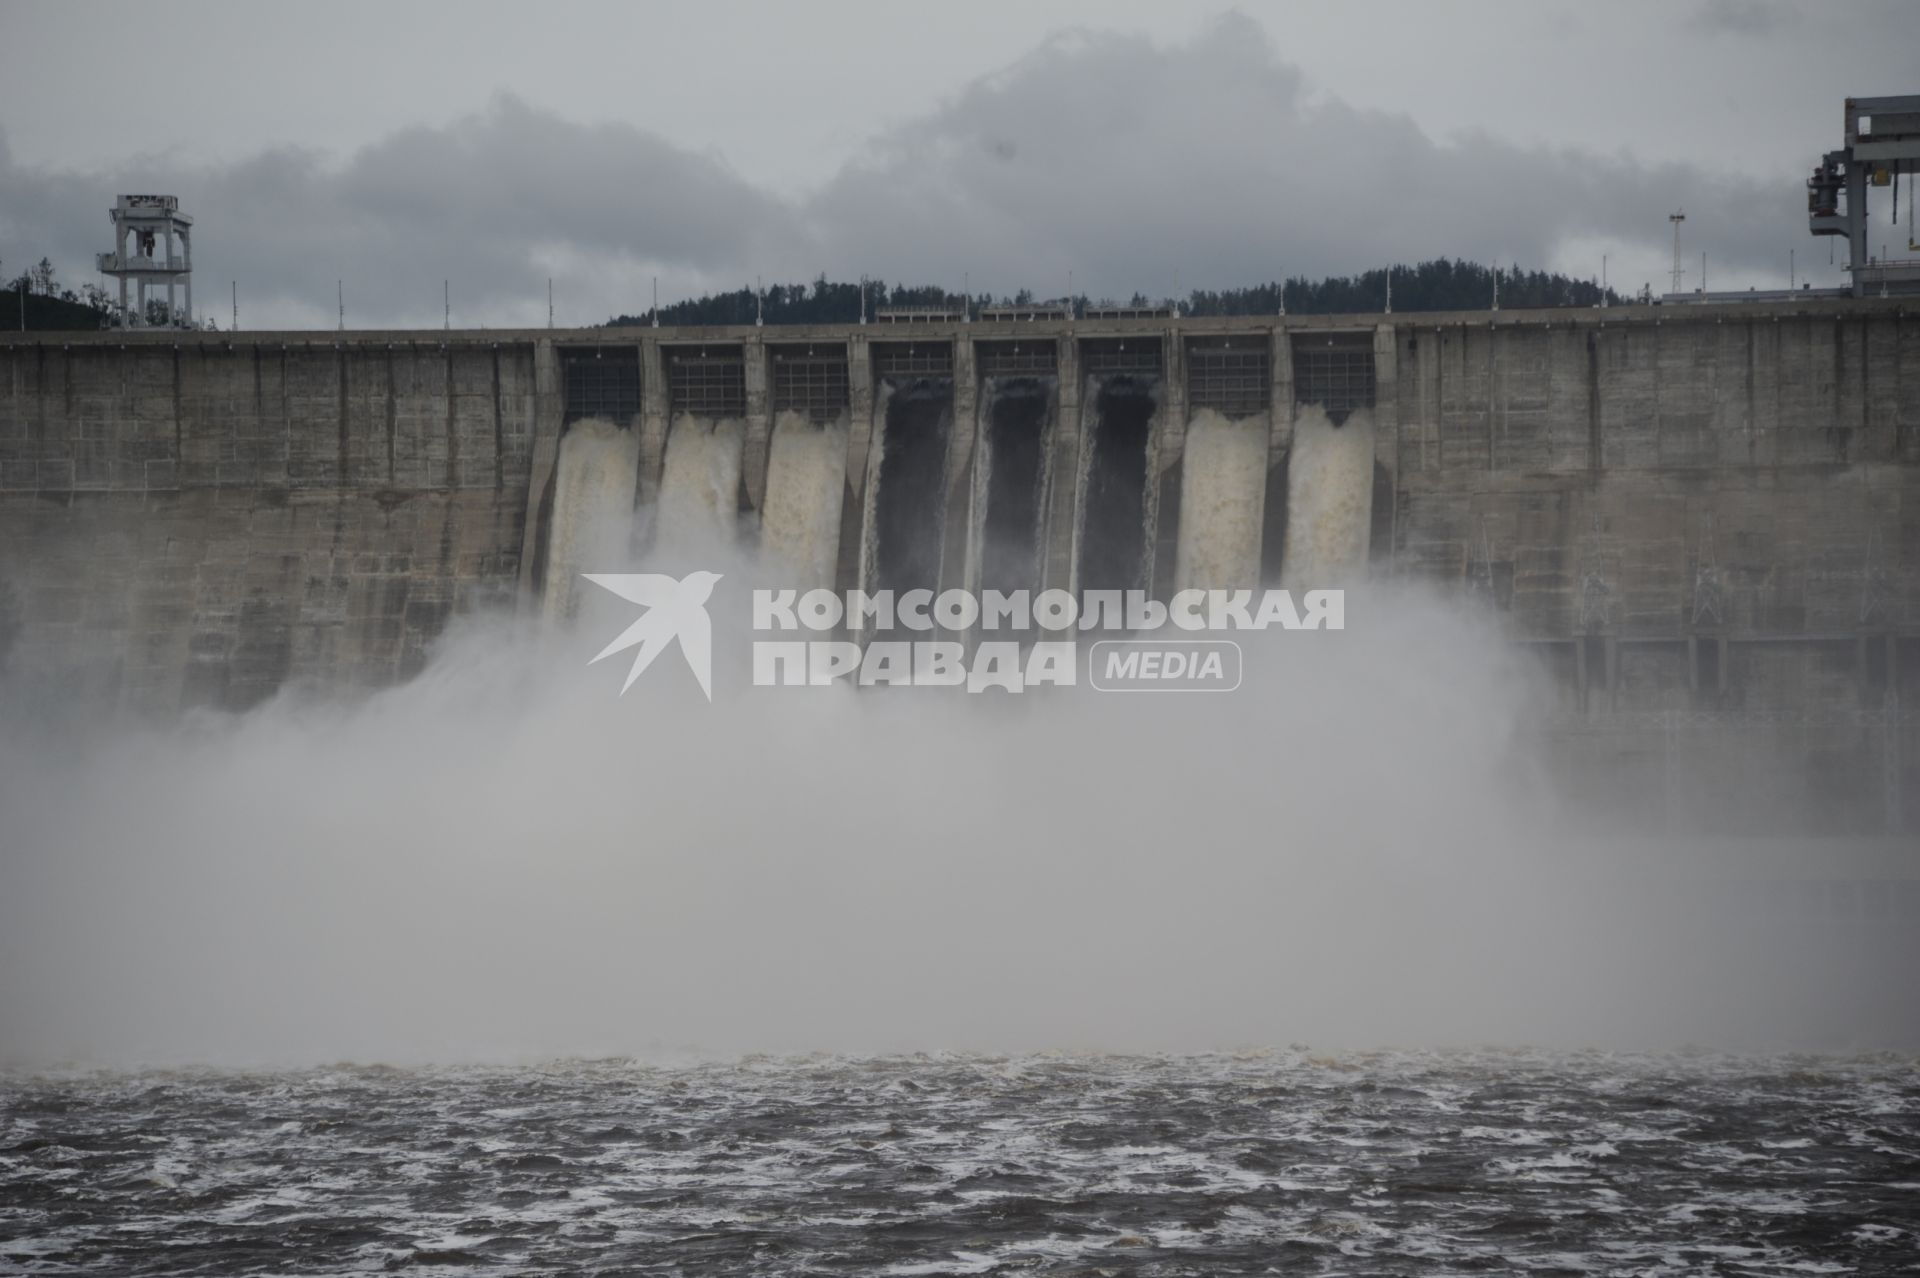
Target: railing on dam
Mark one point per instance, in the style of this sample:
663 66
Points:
810 381
707 381
601 383
913 359
1137 357
1230 376
1335 371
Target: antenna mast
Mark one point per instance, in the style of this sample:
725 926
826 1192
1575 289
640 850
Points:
1678 270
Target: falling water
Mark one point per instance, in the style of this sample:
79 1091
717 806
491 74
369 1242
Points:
700 483
1119 424
1329 500
592 518
907 485
1016 419
806 483
1222 493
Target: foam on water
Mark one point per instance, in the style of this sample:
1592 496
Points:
806 485
948 1163
592 519
1329 501
1223 487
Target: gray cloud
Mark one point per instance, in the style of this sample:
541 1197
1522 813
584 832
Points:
1742 17
1124 161
493 203
1127 162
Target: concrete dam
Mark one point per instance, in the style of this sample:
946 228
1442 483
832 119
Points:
1701 520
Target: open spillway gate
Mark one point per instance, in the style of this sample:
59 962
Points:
995 457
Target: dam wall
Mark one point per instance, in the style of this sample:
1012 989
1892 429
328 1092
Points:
1692 516
196 522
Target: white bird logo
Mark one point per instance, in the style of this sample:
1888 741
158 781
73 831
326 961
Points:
674 610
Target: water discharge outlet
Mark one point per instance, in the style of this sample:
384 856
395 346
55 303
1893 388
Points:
1114 532
909 500
1018 429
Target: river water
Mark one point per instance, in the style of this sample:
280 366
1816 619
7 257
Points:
1281 1161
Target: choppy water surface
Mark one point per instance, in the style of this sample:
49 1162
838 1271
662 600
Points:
1396 1163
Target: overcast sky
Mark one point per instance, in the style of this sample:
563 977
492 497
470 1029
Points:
1136 145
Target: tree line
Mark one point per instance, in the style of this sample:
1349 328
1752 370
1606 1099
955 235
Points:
35 300
1439 285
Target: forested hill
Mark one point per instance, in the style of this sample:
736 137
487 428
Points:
1439 285
47 314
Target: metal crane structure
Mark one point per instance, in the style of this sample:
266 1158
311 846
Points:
152 244
1882 143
